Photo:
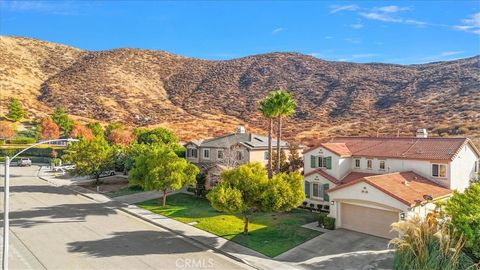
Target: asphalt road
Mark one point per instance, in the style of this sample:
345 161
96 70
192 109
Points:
54 228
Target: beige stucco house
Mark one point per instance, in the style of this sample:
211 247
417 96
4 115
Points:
230 150
367 183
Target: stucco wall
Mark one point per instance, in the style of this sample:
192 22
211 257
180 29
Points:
463 168
320 151
316 178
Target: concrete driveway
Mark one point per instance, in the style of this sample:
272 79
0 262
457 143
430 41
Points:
341 249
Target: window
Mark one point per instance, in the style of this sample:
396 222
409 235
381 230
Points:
219 154
476 166
191 152
382 165
325 194
206 153
240 155
357 163
307 189
369 164
316 190
265 155
320 162
195 153
439 170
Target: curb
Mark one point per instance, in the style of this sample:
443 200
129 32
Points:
122 208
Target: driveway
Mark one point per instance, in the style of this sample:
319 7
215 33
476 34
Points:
341 249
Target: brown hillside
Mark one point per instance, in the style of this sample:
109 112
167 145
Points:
201 98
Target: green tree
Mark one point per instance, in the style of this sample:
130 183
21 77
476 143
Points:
91 157
240 191
464 211
284 165
15 109
111 127
132 152
161 169
268 109
60 117
284 192
159 136
96 128
284 105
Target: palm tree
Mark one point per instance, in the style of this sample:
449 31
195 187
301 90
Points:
284 106
267 107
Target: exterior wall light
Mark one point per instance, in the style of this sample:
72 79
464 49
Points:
332 202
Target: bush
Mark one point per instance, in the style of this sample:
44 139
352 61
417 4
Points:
304 204
23 140
329 223
191 189
321 219
33 152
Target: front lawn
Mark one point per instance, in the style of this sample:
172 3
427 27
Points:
270 233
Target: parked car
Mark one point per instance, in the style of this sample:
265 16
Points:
63 168
24 162
107 173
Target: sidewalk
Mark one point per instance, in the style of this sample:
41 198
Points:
228 248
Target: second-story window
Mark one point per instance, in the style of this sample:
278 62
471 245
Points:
382 165
357 163
240 155
206 153
219 154
439 170
369 164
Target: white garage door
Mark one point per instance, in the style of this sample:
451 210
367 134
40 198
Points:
368 220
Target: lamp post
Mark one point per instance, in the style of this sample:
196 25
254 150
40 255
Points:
6 195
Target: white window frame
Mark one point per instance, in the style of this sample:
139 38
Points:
219 151
359 163
371 164
312 191
380 165
206 151
439 165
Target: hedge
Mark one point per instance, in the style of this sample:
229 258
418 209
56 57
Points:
44 160
321 219
23 140
33 152
329 223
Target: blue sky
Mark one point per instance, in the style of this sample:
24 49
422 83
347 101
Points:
401 32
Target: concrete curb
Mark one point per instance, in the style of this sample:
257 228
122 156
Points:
121 207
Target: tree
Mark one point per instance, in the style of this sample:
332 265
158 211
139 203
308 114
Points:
96 128
268 109
295 159
111 127
284 105
161 169
6 130
464 211
121 137
132 152
159 135
91 157
284 165
15 109
60 117
48 129
240 191
81 131
284 192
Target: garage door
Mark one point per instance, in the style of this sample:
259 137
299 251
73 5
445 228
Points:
368 220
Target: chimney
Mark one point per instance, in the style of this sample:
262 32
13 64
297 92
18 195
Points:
422 133
240 129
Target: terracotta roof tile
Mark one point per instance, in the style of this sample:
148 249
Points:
394 185
338 148
324 175
354 176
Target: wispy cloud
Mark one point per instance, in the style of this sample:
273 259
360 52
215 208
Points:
448 53
353 40
443 56
379 17
390 9
356 25
364 55
470 24
328 37
277 30
51 7
338 8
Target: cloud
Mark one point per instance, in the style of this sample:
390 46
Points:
379 17
356 25
443 56
51 7
390 9
470 24
364 55
277 30
328 37
353 40
448 53
338 8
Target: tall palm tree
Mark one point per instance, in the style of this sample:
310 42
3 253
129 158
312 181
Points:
284 106
267 107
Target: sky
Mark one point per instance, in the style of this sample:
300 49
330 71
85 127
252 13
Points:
401 32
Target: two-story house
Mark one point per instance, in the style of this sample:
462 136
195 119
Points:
215 154
367 183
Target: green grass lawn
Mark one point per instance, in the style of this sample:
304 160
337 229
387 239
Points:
270 233
124 191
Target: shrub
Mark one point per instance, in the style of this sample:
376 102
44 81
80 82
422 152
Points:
192 189
304 204
329 223
23 140
319 207
312 206
321 219
326 207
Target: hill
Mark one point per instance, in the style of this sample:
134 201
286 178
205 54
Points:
200 98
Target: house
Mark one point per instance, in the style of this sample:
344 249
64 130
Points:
367 183
227 151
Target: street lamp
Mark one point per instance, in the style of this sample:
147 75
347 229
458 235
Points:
6 194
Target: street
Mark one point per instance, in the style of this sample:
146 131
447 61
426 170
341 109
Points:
55 228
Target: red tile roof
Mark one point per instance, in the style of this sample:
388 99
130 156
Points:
401 147
324 175
394 185
354 176
338 148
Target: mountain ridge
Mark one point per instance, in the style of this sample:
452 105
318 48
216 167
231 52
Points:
201 98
